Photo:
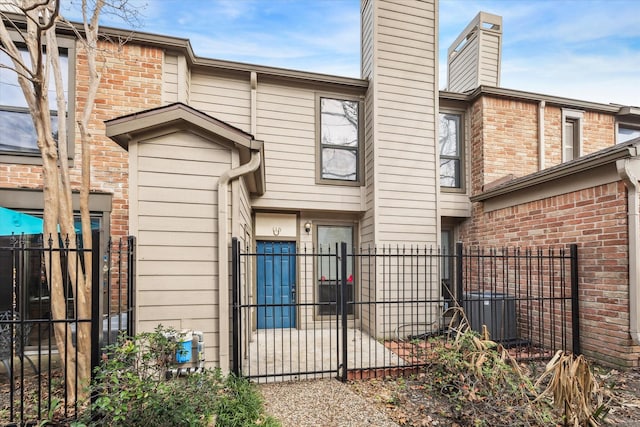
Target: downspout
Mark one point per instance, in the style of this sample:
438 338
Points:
541 153
223 254
628 170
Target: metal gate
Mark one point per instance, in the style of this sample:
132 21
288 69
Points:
394 300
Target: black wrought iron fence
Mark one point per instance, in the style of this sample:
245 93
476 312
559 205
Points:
527 298
395 299
36 346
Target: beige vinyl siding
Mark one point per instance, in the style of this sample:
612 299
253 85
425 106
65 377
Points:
175 79
177 286
286 123
405 123
367 224
489 59
455 205
401 193
367 42
474 56
243 230
464 69
170 79
226 99
285 118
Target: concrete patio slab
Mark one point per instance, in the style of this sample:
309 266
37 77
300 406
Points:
292 354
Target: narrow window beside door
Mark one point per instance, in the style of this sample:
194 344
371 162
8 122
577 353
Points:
328 269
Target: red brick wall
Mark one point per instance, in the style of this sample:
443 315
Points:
131 81
552 136
596 220
510 134
476 145
598 131
504 137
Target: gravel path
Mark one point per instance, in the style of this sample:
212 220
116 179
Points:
325 403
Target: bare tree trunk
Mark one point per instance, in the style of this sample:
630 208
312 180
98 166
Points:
63 335
42 19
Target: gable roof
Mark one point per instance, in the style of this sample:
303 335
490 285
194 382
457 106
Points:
178 117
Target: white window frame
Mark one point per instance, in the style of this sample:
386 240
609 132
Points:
576 116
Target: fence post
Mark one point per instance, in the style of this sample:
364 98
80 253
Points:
459 275
96 287
235 279
131 285
343 307
575 313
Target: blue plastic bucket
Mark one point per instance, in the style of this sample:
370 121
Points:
183 354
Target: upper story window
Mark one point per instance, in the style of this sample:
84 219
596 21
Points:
339 145
17 133
571 134
451 150
627 132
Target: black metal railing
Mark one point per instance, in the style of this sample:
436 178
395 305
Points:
395 299
33 379
527 298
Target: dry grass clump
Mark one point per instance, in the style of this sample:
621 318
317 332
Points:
480 375
574 389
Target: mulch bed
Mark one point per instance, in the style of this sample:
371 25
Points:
409 399
33 390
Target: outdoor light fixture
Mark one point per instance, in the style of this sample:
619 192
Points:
307 227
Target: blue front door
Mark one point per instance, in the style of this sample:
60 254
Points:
276 284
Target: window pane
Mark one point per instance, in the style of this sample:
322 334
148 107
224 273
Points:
339 164
450 173
17 133
569 134
450 141
627 134
329 269
328 236
339 120
449 135
10 91
339 139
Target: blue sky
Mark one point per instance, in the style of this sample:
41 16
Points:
584 49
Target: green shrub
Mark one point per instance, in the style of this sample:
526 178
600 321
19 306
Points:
131 389
241 405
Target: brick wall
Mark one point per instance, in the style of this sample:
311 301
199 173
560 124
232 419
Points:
504 137
510 134
131 81
598 131
596 220
552 135
476 145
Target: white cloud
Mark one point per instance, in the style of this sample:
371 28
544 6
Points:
591 52
587 50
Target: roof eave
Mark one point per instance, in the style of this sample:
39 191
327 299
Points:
183 46
561 171
531 96
132 127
